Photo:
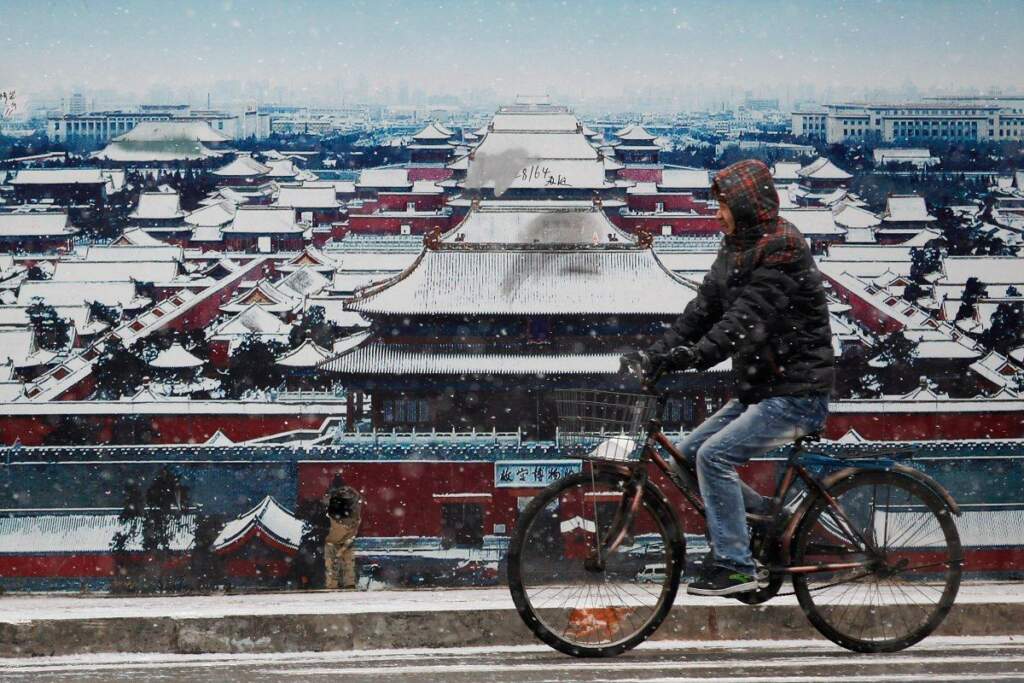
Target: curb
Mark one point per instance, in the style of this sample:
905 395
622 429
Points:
422 629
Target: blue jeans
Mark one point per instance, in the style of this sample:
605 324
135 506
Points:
731 437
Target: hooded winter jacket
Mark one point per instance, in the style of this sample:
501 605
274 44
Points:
762 303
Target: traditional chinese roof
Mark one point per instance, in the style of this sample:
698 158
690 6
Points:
685 179
384 177
302 197
148 131
160 251
850 216
522 281
137 237
268 522
263 295
115 271
310 257
375 357
823 169
533 222
158 206
635 133
304 281
175 357
306 355
432 132
510 122
214 215
263 220
813 222
253 320
786 171
906 208
536 146
76 293
242 166
60 176
35 224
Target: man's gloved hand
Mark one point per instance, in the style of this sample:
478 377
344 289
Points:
652 366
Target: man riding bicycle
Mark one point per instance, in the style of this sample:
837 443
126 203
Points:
763 305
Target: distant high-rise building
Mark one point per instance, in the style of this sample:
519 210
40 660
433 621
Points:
76 103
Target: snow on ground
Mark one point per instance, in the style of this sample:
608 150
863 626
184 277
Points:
16 608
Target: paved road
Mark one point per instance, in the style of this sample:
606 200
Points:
936 660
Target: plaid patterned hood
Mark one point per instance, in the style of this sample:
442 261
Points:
746 187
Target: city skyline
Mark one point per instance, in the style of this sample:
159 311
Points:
395 51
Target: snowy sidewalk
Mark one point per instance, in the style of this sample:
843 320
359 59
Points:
49 624
16 608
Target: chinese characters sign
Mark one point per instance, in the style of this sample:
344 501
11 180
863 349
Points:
532 473
538 173
8 103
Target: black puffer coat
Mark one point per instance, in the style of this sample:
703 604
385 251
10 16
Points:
762 303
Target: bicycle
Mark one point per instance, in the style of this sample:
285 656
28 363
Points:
871 548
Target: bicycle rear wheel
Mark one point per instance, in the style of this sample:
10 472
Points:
895 598
580 607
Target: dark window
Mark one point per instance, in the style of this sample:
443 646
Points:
462 524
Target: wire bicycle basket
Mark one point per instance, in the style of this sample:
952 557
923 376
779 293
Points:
603 425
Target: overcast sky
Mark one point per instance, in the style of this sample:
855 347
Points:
450 46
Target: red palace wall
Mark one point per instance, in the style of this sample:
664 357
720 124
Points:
397 201
928 426
168 429
641 175
392 225
672 202
429 173
688 225
863 311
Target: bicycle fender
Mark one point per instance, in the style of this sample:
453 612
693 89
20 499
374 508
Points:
828 482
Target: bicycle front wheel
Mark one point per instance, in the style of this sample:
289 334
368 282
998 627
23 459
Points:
891 598
577 598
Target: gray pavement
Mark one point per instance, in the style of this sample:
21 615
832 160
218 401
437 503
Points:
935 660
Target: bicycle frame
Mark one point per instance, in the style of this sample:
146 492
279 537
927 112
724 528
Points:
688 488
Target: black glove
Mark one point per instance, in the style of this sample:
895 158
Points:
674 360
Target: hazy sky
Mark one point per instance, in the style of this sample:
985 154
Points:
594 47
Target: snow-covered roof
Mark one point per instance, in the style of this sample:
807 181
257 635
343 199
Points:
253 320
524 147
921 238
508 122
349 283
334 311
991 270
242 166
155 150
529 223
175 357
519 173
393 359
813 221
823 169
888 155
219 438
16 346
35 224
906 208
685 179
303 197
60 176
786 171
263 295
310 257
283 168
851 216
432 132
137 237
268 520
149 252
158 205
306 355
530 281
67 533
384 177
263 220
216 214
146 131
376 261
635 133
76 293
304 281
115 271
